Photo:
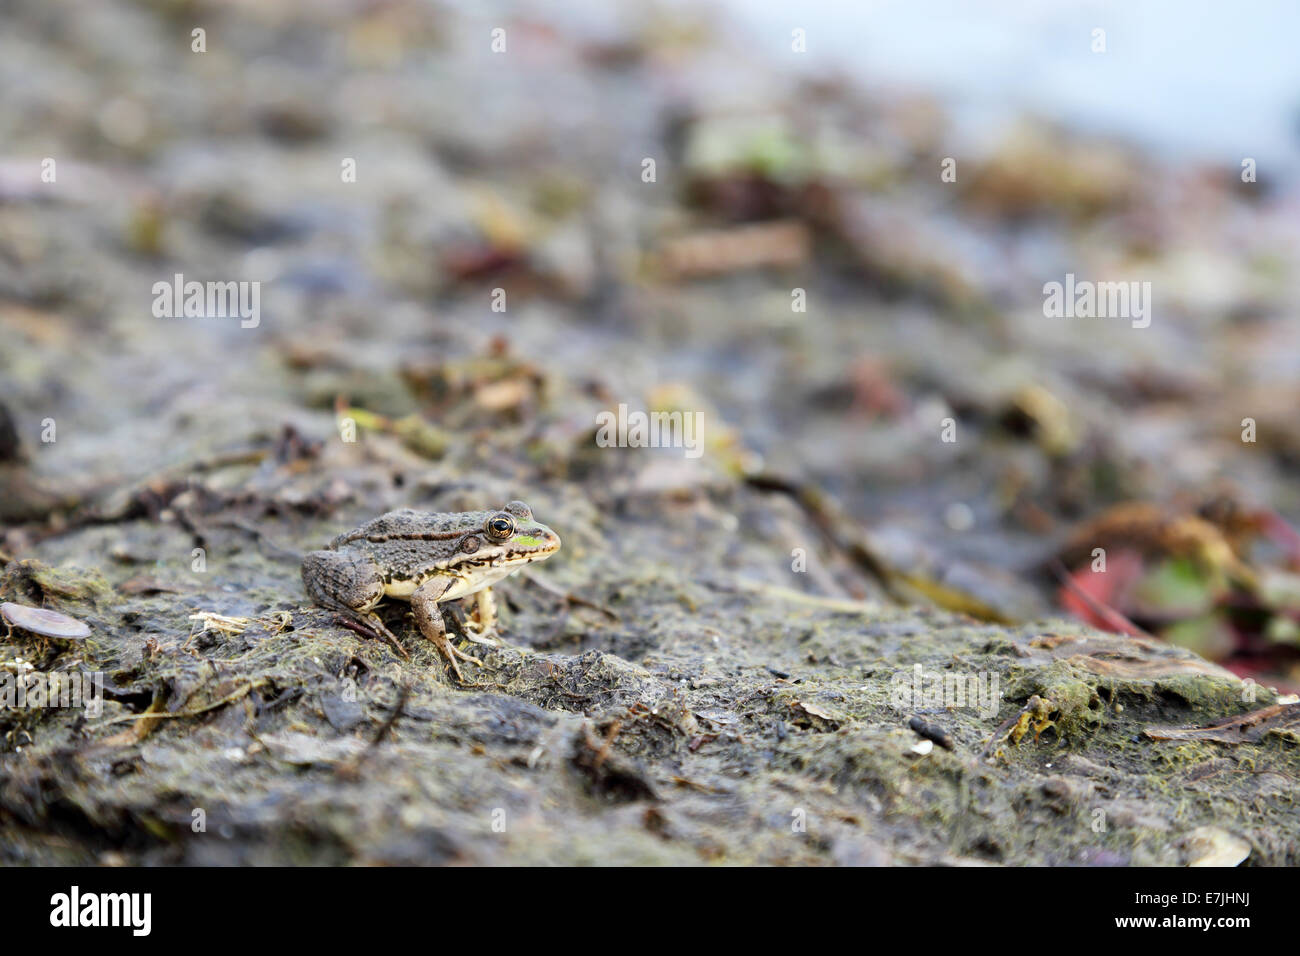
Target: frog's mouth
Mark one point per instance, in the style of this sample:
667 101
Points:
538 542
528 557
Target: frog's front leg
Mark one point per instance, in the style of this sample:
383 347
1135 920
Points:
424 602
482 629
350 585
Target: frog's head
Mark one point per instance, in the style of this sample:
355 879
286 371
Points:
511 537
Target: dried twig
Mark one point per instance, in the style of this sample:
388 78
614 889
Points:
1117 621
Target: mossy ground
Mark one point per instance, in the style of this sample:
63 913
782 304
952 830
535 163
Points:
677 733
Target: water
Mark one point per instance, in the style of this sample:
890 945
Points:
1189 78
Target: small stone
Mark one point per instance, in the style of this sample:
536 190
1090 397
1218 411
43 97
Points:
341 713
958 516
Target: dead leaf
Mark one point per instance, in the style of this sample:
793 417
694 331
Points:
816 711
139 730
1212 846
1124 658
720 251
1155 532
305 749
1281 719
821 718
500 396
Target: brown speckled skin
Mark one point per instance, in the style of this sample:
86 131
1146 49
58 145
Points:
424 557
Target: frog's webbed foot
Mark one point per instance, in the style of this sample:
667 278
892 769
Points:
369 625
424 602
473 631
450 651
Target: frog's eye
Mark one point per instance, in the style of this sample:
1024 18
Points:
520 510
469 545
501 526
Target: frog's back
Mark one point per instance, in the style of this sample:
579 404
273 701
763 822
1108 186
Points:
409 525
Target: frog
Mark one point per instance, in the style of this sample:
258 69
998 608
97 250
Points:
427 558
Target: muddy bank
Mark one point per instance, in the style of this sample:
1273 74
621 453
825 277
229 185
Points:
700 711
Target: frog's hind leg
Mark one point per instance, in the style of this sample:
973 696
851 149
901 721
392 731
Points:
370 622
482 629
424 602
351 587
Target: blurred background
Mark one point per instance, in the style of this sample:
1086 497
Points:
797 159
1198 80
